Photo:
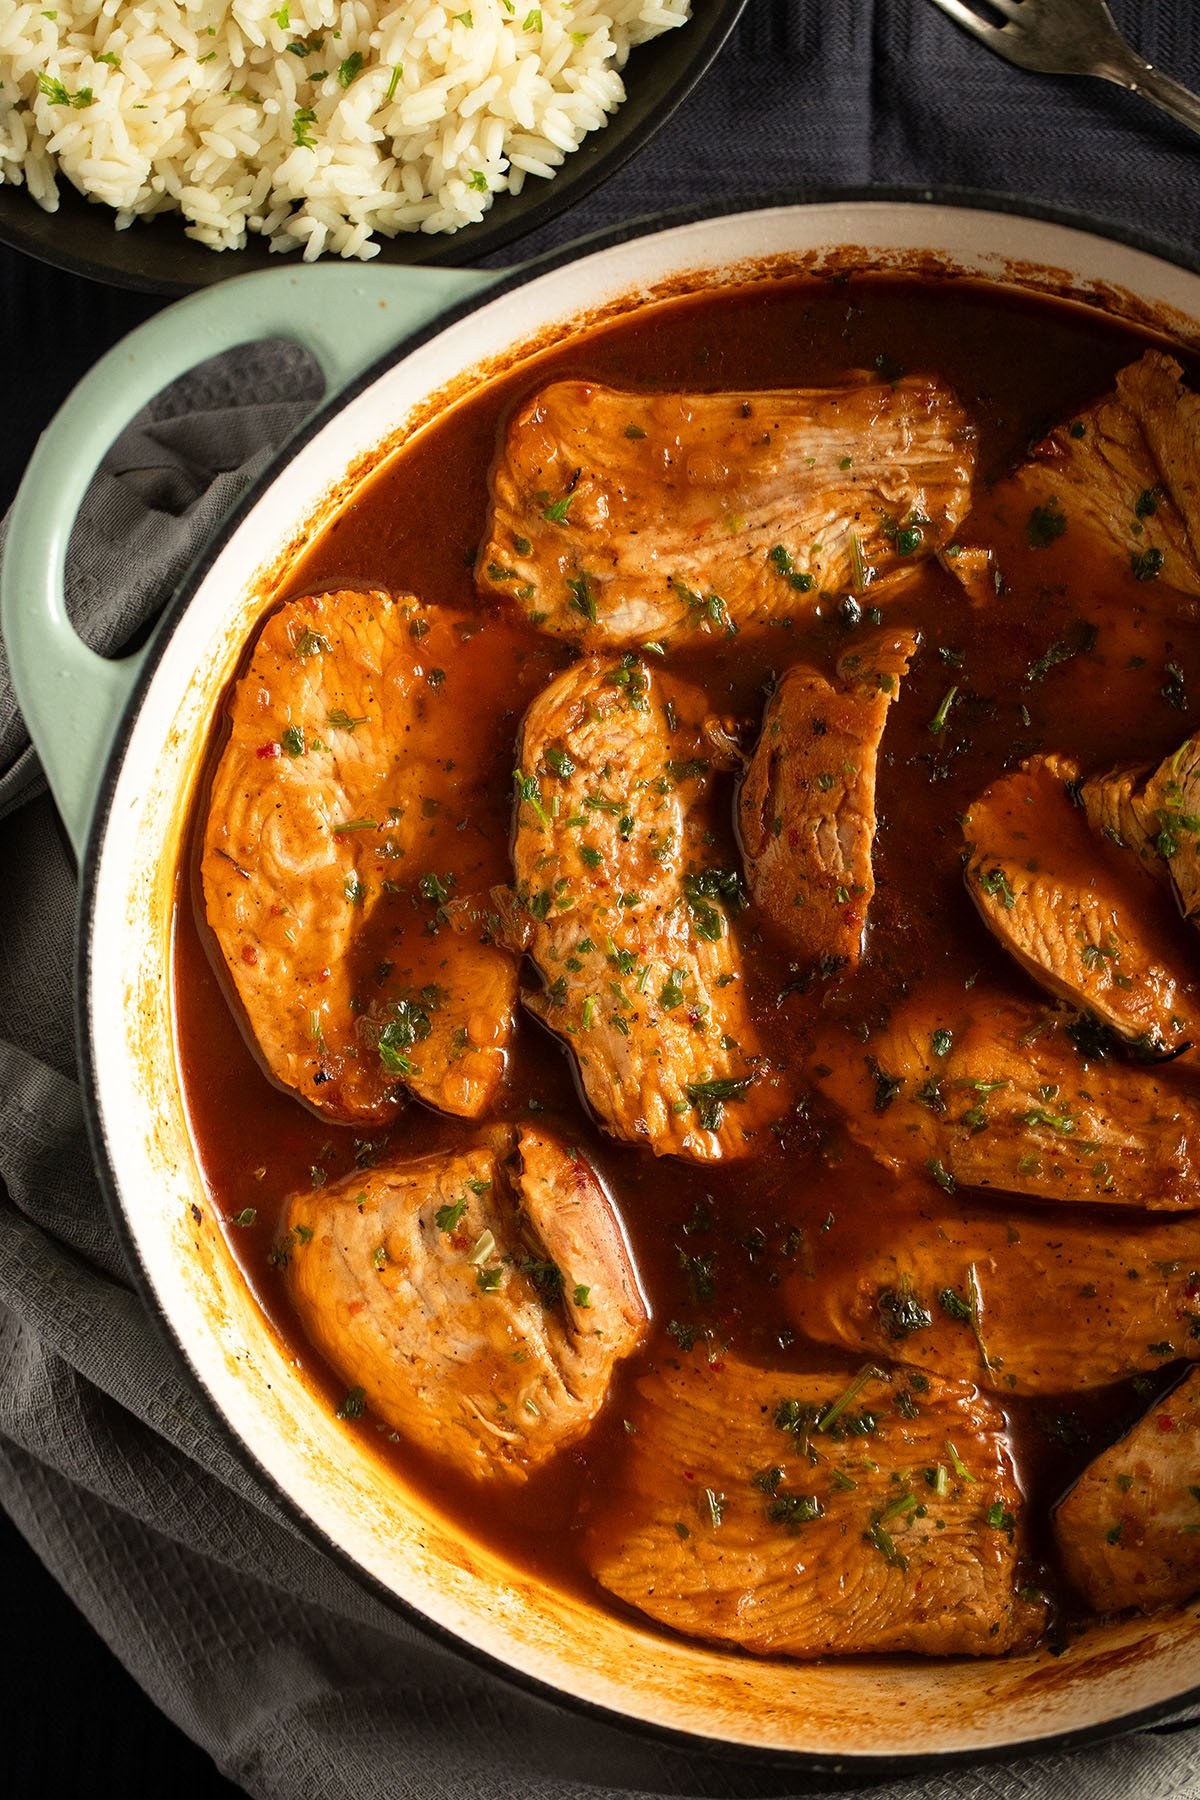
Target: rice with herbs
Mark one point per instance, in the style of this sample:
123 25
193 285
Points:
321 124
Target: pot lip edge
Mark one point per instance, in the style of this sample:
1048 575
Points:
846 1765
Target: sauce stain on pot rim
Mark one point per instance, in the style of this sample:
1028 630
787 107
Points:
222 1307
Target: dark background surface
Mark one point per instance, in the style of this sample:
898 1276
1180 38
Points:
72 1721
809 91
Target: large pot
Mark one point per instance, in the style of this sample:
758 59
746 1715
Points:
122 742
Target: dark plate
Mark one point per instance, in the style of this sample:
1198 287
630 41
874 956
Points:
156 257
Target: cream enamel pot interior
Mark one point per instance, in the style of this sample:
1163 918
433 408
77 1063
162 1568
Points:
122 744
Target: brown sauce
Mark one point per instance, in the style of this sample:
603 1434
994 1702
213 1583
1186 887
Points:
713 1245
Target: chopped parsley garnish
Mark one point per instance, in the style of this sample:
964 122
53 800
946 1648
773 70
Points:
354 1405
938 722
556 512
953 1304
340 719
58 95
995 884
884 1543
1080 641
530 792
558 763
436 888
449 1217
700 1272
545 1276
582 598
311 643
709 1097
999 1519
901 1311
886 1086
292 740
671 993
1147 565
303 120
1045 525
794 1510
796 578
1174 690
834 1411
700 890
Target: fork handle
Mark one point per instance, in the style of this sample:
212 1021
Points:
1160 90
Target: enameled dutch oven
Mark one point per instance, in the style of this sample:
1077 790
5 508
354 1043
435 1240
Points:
122 744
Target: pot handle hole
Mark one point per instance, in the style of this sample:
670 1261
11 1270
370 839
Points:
73 699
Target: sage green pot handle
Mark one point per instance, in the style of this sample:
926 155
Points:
73 699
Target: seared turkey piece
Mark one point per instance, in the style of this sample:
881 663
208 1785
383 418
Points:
1129 1530
1019 1300
631 925
1173 795
986 1093
808 1515
1117 805
480 1307
618 518
1132 459
806 810
315 810
1077 913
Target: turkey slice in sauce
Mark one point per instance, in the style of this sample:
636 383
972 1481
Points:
806 810
1118 806
629 919
1078 914
1129 1530
812 1515
988 1093
316 867
1017 1299
1123 475
619 518
479 1306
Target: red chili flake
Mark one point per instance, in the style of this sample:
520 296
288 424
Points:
355 1306
268 751
793 838
322 974
689 1475
249 953
1165 1422
717 1366
460 1240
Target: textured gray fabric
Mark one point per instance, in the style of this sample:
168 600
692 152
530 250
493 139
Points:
300 1684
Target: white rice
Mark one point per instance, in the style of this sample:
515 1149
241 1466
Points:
320 124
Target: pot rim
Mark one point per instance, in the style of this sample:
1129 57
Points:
844 1769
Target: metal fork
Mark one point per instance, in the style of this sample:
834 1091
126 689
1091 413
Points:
1074 37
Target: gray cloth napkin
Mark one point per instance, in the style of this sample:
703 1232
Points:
299 1683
